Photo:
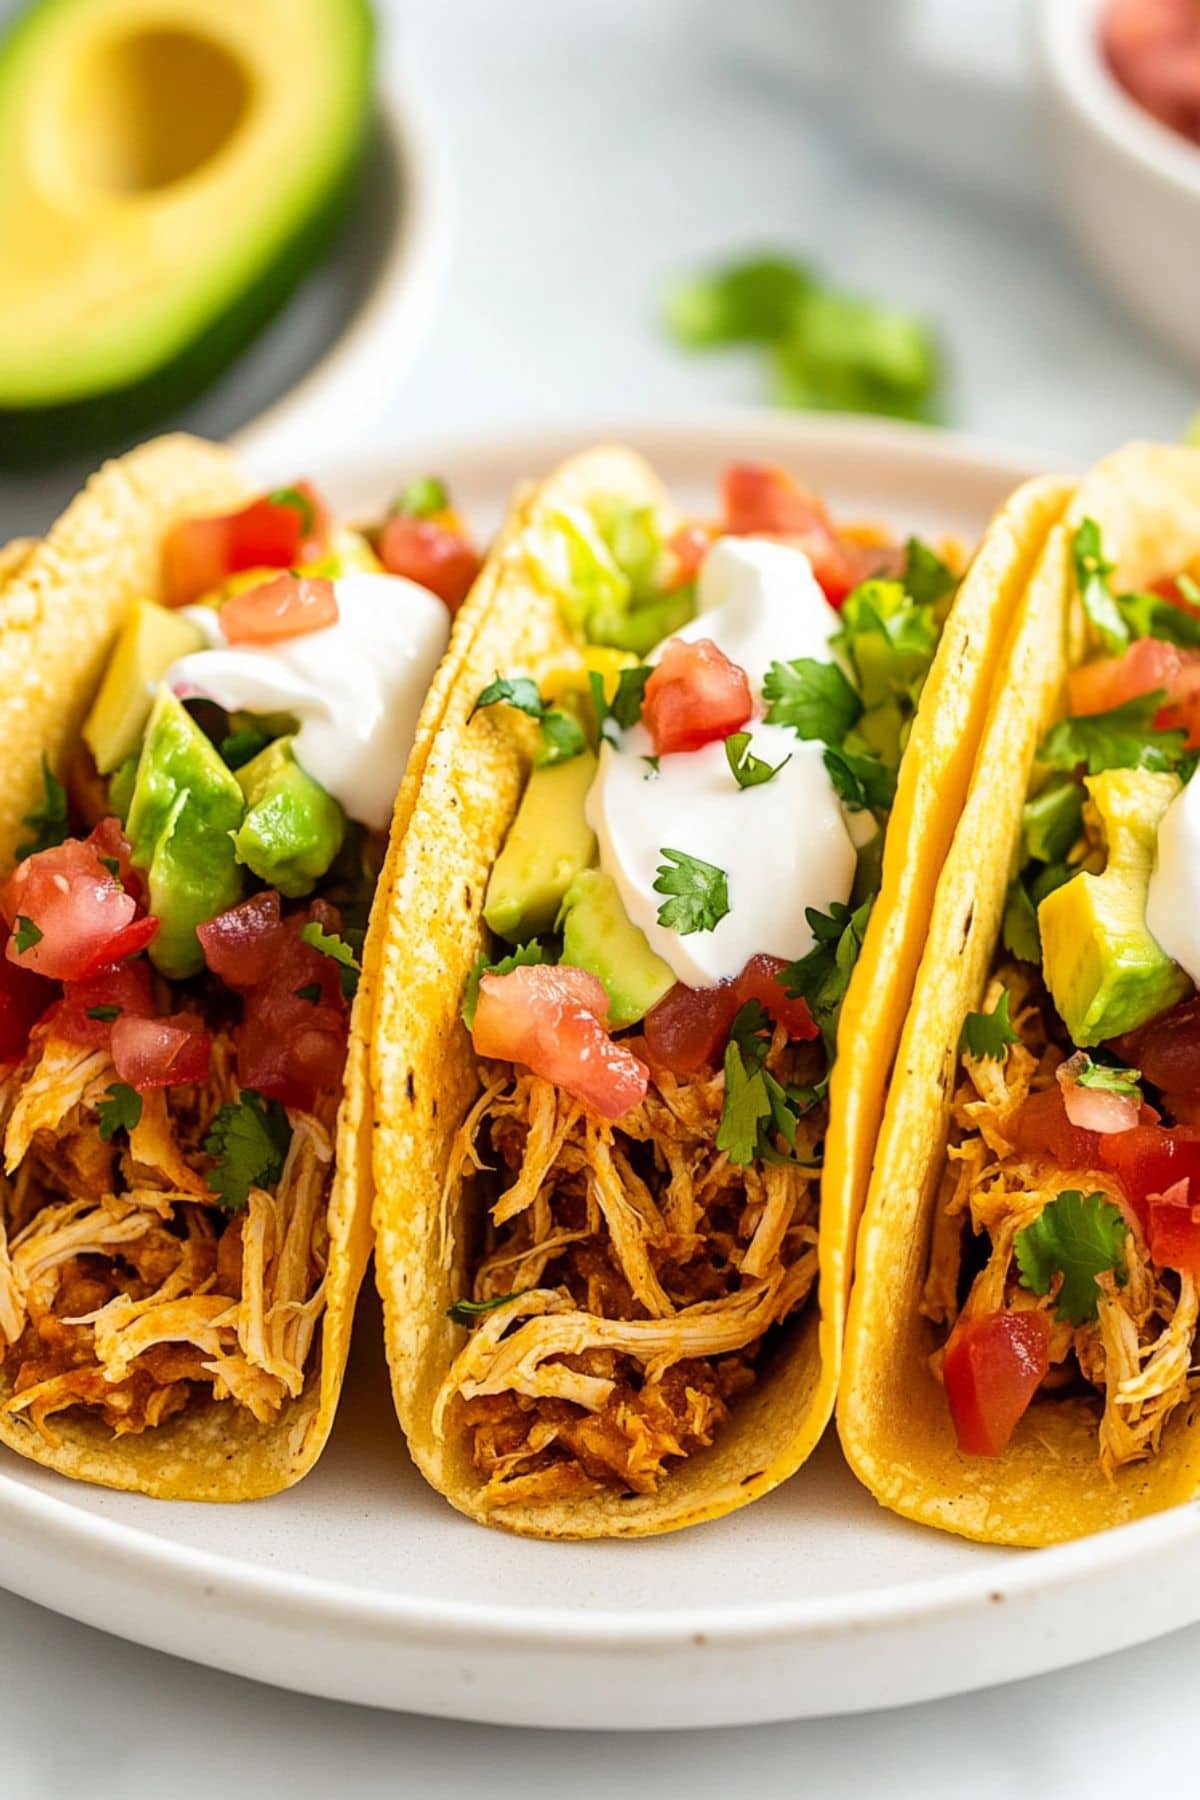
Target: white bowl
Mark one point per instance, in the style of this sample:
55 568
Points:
1127 186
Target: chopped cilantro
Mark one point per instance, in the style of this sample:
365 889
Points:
813 697
823 975
1149 615
625 708
465 1312
927 578
988 1035
120 1111
860 782
1076 1238
1109 1079
300 503
757 1107
890 638
311 991
1052 820
48 820
340 952
249 1139
104 1015
517 690
652 767
525 956
113 867
561 739
1122 738
1092 571
699 893
26 934
422 498
747 770
1022 938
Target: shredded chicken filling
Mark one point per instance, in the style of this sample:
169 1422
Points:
644 1271
123 1289
1137 1353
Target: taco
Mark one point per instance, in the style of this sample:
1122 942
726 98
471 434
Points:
207 703
1023 1327
677 839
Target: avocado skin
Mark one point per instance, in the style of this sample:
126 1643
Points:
37 436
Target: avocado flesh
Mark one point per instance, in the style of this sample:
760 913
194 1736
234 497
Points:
156 255
151 639
599 935
1105 971
186 806
548 843
293 829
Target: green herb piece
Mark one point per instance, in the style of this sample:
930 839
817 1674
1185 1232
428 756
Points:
113 867
1021 936
1052 821
526 956
638 629
757 1107
1077 1239
845 354
1107 1078
1092 570
890 639
823 975
250 1139
699 893
625 708
1125 737
465 1312
747 770
561 738
751 302
311 991
569 559
988 1035
300 503
104 1015
1149 615
861 783
652 767
48 820
422 498
634 539
120 1111
339 950
518 691
927 578
813 698
241 747
26 933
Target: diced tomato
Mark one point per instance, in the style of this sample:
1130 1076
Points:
1150 1159
23 999
993 1368
286 607
128 988
759 980
271 533
694 696
431 554
758 500
78 908
291 1043
689 1027
1042 1126
1167 1050
239 945
138 935
109 841
154 1053
1146 667
687 548
552 1019
1173 1229
1153 48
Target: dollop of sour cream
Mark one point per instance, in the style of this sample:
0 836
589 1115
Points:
784 845
356 688
1172 915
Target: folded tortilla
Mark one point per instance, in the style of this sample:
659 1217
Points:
425 1069
892 1413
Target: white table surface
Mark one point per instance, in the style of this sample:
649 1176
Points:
593 148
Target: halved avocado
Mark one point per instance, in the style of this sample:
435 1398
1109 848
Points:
170 172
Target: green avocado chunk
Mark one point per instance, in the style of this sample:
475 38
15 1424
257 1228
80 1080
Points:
151 639
1104 970
185 809
293 829
548 843
599 935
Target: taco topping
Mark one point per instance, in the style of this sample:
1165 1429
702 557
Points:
183 934
680 900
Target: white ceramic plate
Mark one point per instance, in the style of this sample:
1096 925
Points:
363 1585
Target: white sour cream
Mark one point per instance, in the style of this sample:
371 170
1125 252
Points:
784 845
356 687
1172 913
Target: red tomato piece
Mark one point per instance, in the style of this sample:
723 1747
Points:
109 841
23 999
759 980
1167 1049
694 697
154 1053
689 1027
291 1043
758 500
288 606
431 554
1146 667
239 945
1173 1229
993 1368
1042 1127
552 1020
687 548
79 908
270 533
132 938
1153 48
1150 1159
128 987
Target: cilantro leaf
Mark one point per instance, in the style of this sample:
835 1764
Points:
813 697
517 690
1125 737
524 957
422 498
250 1139
750 302
1022 938
861 782
1109 1079
299 503
747 770
561 739
465 1312
1052 820
890 639
652 767
338 950
823 975
1078 1239
757 1107
699 893
625 708
1092 570
1149 615
927 578
104 1015
48 820
26 933
120 1111
311 991
988 1034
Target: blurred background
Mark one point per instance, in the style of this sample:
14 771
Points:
531 206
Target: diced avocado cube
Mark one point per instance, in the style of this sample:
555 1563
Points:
599 935
293 829
151 639
1105 971
186 806
548 843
